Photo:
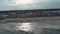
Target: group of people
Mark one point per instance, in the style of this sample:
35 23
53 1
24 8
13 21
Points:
39 13
33 13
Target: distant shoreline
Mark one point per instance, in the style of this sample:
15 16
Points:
33 9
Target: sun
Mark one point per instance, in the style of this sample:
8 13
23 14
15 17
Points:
23 2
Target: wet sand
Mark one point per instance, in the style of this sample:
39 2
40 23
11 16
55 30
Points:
35 25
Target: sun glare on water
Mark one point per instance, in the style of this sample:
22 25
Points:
24 26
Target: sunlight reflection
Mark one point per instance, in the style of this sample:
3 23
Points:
25 26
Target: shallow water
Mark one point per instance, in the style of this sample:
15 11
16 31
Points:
31 27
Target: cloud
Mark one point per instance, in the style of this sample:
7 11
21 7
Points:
21 2
55 0
11 2
39 4
43 0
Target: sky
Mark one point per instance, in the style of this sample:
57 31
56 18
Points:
28 4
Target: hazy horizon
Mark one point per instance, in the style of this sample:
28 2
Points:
28 5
